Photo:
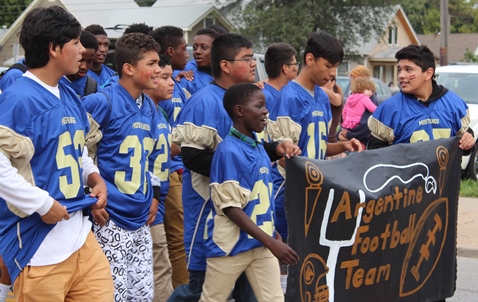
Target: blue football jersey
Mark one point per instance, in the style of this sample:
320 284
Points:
200 80
164 142
402 119
271 94
304 118
43 137
130 146
246 183
103 77
202 123
172 108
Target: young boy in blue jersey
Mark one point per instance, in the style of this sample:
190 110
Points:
130 151
99 71
301 113
45 167
397 120
163 286
241 232
173 45
81 82
203 123
202 74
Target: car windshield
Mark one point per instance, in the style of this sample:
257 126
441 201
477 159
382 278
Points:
343 82
463 84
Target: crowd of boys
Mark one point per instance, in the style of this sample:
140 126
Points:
114 186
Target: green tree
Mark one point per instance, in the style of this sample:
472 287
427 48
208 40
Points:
268 21
470 57
11 9
424 15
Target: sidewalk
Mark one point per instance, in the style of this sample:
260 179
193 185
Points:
467 233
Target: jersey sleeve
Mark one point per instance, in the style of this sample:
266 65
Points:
198 123
226 190
284 123
98 108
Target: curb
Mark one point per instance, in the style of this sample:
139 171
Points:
465 252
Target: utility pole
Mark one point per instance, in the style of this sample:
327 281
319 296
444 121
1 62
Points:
444 31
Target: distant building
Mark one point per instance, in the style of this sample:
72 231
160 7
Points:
116 15
458 44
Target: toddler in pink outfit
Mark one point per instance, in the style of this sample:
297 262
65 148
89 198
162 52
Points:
359 101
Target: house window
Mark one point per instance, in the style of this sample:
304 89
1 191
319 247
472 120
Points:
343 68
208 21
392 35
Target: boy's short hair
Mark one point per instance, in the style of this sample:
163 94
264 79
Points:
46 27
226 47
420 55
96 29
130 49
164 60
167 36
138 28
324 45
207 32
88 40
277 54
218 28
359 85
238 94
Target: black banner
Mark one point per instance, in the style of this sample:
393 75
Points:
375 226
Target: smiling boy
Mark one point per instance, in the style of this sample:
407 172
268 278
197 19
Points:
130 152
236 239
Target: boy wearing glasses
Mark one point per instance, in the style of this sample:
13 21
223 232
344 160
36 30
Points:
281 67
201 125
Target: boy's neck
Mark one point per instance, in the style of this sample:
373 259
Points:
130 87
305 80
426 91
46 75
277 83
225 82
96 66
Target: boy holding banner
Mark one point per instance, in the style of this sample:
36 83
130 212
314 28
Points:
422 110
241 231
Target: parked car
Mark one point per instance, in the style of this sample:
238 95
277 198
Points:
463 80
382 90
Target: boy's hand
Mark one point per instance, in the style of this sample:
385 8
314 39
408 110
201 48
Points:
343 135
288 149
353 145
100 192
56 213
188 75
153 210
260 84
283 252
467 141
100 216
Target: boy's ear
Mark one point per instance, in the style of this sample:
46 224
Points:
429 74
225 67
309 59
170 51
53 51
238 111
128 69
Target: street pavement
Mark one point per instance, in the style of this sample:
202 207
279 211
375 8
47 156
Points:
467 230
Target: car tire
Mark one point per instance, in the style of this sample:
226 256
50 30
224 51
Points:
471 170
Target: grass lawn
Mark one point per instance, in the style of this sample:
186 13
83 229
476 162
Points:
468 188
